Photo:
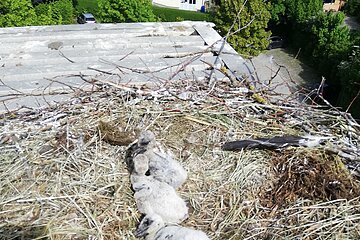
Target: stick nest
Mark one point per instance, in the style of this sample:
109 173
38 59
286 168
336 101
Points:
63 174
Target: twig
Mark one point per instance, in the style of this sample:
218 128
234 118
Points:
63 55
352 101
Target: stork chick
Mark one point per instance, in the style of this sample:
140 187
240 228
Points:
152 227
155 197
139 147
162 164
140 168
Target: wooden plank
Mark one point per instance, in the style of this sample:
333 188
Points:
212 38
233 61
238 66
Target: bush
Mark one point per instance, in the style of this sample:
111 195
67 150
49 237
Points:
65 9
349 74
255 15
84 6
125 11
353 8
16 13
46 15
331 41
57 12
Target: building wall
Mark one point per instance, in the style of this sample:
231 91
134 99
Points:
336 6
168 3
193 5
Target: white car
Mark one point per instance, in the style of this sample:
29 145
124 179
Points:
86 18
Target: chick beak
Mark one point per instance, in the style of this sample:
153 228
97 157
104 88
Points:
140 233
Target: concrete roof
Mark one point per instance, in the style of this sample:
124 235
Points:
42 59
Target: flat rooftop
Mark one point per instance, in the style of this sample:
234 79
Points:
39 64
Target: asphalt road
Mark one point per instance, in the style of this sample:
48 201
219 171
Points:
285 72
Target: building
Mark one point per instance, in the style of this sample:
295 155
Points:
192 5
333 5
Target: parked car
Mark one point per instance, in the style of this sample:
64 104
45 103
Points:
275 42
36 2
86 18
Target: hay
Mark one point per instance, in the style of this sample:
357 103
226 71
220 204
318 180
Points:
60 180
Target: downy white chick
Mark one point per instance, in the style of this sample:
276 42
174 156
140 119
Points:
140 168
153 196
162 164
152 227
138 148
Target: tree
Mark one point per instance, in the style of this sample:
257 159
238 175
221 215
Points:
17 13
353 8
22 13
46 15
56 12
278 8
249 35
349 74
300 11
125 11
331 40
65 9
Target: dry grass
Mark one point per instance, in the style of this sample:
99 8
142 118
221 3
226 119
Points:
60 180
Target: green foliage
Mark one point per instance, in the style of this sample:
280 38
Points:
349 74
84 6
300 11
65 9
125 11
57 12
46 15
353 8
249 35
173 15
22 13
277 10
331 40
325 41
16 13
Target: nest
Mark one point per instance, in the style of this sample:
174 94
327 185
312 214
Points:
63 173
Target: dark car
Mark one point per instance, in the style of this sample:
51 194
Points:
36 2
86 18
275 42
